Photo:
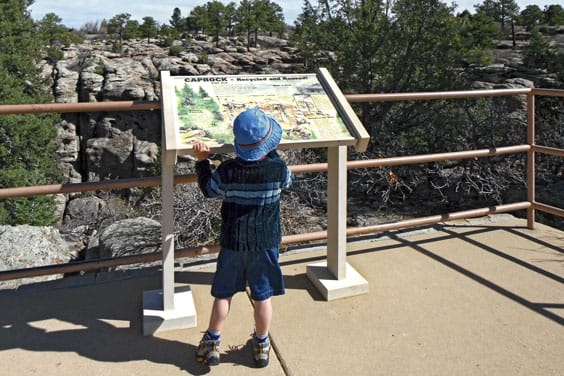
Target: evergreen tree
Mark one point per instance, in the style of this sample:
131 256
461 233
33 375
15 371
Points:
117 25
411 46
216 18
27 151
132 30
246 19
531 17
268 17
176 20
198 21
149 28
539 53
554 15
502 11
305 36
54 36
477 34
256 16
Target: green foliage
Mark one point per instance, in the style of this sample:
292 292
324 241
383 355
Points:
54 54
477 33
502 11
149 28
53 34
541 54
412 46
27 151
216 20
132 30
531 17
259 15
175 50
117 25
249 17
100 69
176 20
554 15
197 21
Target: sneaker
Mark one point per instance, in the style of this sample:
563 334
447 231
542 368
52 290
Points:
208 351
261 351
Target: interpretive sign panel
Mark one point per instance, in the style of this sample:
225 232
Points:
312 112
203 108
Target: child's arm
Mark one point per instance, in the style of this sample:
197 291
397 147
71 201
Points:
208 181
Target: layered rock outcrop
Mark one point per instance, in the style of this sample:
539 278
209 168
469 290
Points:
96 146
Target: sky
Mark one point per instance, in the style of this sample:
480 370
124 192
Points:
76 13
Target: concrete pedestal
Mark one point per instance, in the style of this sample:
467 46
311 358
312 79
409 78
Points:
156 319
332 288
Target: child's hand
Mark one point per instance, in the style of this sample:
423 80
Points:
201 151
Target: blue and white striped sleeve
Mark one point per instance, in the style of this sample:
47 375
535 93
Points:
288 178
208 180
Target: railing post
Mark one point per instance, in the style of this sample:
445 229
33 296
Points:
531 180
337 211
170 307
335 278
167 229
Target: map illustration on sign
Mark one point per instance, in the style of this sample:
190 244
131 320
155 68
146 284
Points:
203 108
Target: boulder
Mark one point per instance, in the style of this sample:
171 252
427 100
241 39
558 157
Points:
86 211
110 157
126 237
26 246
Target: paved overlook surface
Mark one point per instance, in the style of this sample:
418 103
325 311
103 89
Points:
476 297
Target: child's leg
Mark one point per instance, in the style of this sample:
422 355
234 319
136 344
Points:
220 310
263 316
261 340
208 349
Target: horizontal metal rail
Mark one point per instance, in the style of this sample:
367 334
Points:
393 97
547 150
74 267
109 185
426 158
548 92
15 109
316 167
549 209
352 98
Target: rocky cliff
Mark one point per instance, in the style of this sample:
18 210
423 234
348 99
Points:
125 144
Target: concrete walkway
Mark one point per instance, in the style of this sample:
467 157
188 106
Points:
468 298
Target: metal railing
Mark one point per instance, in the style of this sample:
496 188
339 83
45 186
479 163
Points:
531 205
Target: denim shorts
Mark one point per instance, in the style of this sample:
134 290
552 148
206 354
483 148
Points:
259 270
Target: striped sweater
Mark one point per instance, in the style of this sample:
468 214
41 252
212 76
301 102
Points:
250 211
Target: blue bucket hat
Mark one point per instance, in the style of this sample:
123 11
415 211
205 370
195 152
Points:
256 134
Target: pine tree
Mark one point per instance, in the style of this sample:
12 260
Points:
27 151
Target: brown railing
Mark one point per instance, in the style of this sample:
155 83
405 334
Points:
530 148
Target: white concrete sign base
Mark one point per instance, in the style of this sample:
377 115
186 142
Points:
332 288
157 319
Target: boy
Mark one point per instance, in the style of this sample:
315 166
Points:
250 230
